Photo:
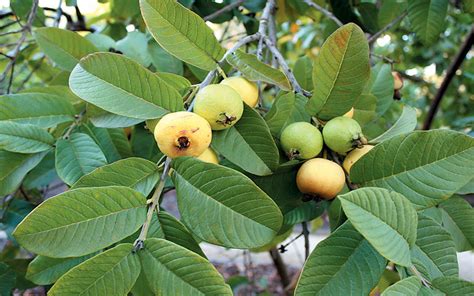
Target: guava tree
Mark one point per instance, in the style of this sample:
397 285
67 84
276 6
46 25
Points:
300 115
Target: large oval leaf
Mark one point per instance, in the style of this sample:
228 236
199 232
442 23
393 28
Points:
182 33
425 166
434 250
136 173
112 141
77 156
122 86
44 110
405 124
24 138
344 262
340 72
303 71
454 286
427 18
406 287
112 272
458 220
173 270
255 70
14 167
63 47
381 86
101 118
385 218
81 221
222 206
251 137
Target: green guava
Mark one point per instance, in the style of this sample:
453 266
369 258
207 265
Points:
342 134
301 140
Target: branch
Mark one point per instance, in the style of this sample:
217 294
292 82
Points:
461 55
223 10
306 239
280 267
374 37
59 12
324 11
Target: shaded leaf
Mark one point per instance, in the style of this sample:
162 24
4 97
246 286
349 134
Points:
24 138
381 86
427 18
101 118
303 71
405 124
406 287
458 220
7 279
453 286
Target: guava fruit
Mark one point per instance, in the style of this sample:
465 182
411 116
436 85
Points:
182 134
350 113
353 156
301 140
246 89
209 156
320 178
397 80
342 134
220 105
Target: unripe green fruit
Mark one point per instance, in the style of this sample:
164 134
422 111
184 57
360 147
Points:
301 140
220 105
342 134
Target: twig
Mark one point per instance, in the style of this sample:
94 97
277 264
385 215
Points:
8 24
138 245
28 77
74 124
324 11
223 10
282 248
59 12
417 273
374 37
461 55
414 78
280 267
306 239
11 32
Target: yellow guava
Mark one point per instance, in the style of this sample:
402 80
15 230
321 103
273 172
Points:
353 156
321 178
246 89
209 156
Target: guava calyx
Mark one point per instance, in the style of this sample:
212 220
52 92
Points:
226 119
359 141
183 143
293 154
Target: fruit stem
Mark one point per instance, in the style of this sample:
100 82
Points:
138 245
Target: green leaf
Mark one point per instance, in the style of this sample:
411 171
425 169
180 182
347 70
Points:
255 70
385 218
43 174
340 72
303 71
389 10
344 262
406 287
144 144
364 108
426 167
222 206
135 46
101 41
453 286
43 110
14 167
434 249
305 212
405 124
7 279
174 270
182 33
163 61
112 272
102 118
13 214
113 142
180 83
24 138
136 173
122 86
77 156
251 137
59 90
45 270
81 221
63 47
458 220
286 109
427 18
381 86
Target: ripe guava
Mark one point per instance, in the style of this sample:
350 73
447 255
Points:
301 140
183 134
209 156
397 80
350 113
220 105
246 89
342 134
321 178
353 156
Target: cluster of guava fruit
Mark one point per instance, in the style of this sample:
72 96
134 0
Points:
216 107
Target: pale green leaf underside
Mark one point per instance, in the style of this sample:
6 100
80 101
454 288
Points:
174 270
286 109
14 167
101 118
385 218
406 287
24 138
222 206
81 221
426 167
427 18
458 220
255 70
340 72
43 110
110 273
120 85
434 249
63 47
342 264
251 137
405 124
77 156
182 33
137 173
